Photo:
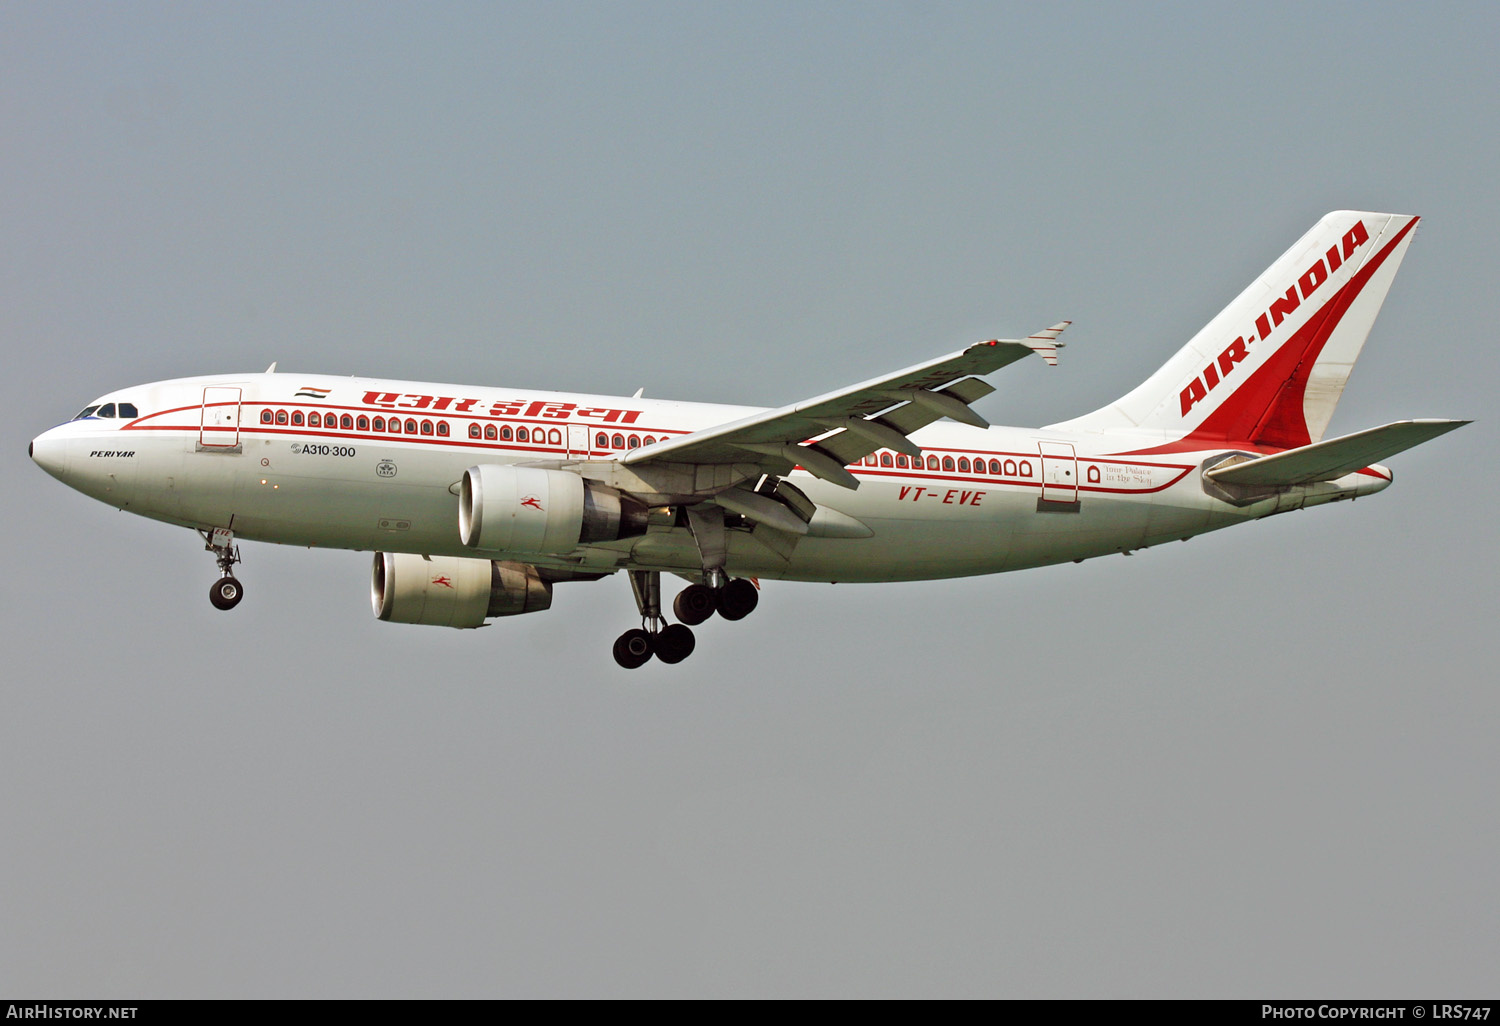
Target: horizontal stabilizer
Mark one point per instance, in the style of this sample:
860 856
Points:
1331 460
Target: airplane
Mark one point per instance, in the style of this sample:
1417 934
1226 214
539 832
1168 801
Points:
476 501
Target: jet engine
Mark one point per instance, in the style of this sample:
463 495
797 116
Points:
527 509
451 591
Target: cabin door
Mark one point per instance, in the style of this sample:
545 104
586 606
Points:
578 441
220 424
1059 472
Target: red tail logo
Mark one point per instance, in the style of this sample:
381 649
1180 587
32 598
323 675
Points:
1198 389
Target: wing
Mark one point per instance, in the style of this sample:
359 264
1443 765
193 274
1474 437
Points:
825 434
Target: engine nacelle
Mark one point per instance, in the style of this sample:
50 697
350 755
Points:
527 509
450 591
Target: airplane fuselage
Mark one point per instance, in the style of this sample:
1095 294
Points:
367 464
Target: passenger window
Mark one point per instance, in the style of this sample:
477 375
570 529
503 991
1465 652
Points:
635 441
994 466
554 437
506 434
394 426
491 433
601 441
932 463
363 423
281 416
522 435
963 464
619 441
297 418
649 440
1025 467
378 423
903 463
129 410
426 427
886 460
870 460
442 429
346 422
947 462
314 419
265 416
473 430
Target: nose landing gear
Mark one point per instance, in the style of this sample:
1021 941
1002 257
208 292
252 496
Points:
226 591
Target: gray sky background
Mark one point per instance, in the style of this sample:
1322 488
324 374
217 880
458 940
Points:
1260 764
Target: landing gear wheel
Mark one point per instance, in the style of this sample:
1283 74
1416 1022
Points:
675 643
737 599
226 593
694 604
633 648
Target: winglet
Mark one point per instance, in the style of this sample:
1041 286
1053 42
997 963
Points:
1044 343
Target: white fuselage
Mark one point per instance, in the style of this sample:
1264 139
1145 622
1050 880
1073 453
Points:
241 452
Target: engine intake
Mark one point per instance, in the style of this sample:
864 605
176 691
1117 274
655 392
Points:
527 509
451 591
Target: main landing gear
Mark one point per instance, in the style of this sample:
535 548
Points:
672 643
226 591
733 600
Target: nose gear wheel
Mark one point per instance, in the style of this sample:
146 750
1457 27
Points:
226 592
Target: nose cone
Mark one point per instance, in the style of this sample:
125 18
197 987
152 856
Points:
50 452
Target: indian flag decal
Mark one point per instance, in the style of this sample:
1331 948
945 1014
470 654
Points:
314 393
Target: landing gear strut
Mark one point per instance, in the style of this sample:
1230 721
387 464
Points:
731 599
226 591
671 643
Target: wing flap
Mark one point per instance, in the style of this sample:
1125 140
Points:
1331 460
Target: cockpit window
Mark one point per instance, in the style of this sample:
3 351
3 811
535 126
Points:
129 410
86 412
107 410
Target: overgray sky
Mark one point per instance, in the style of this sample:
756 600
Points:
1261 764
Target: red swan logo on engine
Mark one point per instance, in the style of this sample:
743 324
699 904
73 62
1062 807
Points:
533 502
446 582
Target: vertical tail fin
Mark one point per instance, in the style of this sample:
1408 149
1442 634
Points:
1271 367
